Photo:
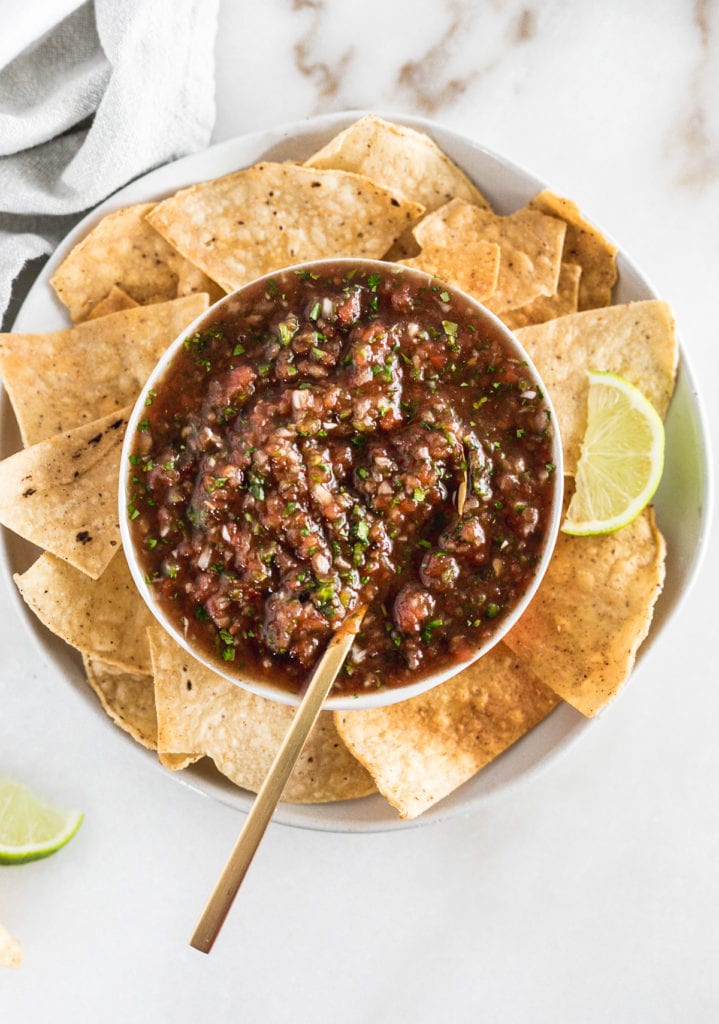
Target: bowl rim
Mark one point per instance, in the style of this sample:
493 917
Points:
382 697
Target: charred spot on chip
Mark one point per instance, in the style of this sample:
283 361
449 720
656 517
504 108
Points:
83 537
29 492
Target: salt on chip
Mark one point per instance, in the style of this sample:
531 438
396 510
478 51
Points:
199 710
635 340
593 609
115 301
252 222
122 250
398 158
474 268
105 618
60 380
420 750
548 307
586 246
530 245
61 494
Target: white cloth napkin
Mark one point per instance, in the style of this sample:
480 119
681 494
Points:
115 88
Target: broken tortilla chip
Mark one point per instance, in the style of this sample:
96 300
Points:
115 301
10 949
105 618
636 341
398 158
246 224
585 246
593 609
420 750
530 244
199 710
122 250
63 379
548 307
61 494
474 268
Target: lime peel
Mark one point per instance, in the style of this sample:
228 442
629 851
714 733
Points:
621 461
29 828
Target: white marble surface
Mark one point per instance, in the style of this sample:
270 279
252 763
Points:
591 893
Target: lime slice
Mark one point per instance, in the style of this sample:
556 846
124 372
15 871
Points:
621 461
30 829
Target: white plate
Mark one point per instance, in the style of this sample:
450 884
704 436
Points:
682 502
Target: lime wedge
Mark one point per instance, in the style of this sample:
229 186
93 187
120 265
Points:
621 460
29 828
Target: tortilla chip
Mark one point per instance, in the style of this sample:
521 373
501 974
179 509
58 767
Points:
105 618
398 158
176 762
474 268
585 246
115 301
593 609
10 949
530 244
128 698
122 250
61 494
420 750
246 224
199 710
60 380
548 307
405 248
635 340
191 281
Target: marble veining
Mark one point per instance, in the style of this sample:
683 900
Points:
701 159
433 65
428 82
326 77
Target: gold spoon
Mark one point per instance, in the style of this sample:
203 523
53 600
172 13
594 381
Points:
327 670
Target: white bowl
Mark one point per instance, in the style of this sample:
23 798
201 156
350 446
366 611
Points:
682 504
256 684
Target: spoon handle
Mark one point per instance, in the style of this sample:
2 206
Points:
219 903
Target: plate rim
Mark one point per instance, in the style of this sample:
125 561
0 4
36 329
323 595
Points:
318 817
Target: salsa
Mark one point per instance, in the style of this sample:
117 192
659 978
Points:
302 454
